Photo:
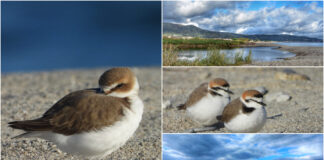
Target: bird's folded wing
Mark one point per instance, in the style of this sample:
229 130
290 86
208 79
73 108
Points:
197 94
80 111
231 110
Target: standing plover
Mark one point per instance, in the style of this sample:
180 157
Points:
245 114
207 101
91 122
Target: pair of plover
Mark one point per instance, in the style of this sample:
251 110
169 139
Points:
210 103
91 122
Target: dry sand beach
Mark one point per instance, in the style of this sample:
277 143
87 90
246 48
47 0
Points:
305 56
301 114
29 95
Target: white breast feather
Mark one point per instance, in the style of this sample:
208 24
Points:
207 109
251 122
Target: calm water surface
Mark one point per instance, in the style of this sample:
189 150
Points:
260 54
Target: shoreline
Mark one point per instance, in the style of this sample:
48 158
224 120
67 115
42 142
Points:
305 56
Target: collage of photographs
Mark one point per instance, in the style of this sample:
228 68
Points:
162 80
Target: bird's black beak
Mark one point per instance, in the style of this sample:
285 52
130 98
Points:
263 104
229 91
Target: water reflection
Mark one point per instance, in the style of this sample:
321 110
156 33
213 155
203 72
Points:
260 54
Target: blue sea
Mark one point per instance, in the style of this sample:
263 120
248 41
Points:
42 36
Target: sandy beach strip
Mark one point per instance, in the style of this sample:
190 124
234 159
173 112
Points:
29 95
302 114
305 56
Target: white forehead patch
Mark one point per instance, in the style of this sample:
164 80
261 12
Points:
108 88
132 92
257 99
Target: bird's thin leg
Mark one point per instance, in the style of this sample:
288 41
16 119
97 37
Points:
275 116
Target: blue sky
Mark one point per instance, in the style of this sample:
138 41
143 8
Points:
44 35
256 5
242 146
301 18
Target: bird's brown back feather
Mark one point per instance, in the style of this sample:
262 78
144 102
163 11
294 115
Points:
231 110
78 112
197 94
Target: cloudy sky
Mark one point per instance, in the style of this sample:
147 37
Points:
242 146
303 18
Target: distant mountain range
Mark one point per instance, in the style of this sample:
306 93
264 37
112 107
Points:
193 31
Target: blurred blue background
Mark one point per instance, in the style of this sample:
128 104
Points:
42 36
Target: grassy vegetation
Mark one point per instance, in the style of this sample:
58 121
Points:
203 43
214 58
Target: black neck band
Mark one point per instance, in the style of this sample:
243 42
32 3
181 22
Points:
214 93
247 109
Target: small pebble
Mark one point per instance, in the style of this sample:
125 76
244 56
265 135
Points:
278 97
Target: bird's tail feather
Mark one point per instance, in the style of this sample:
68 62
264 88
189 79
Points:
30 125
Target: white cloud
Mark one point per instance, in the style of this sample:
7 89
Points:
175 154
245 17
188 8
191 8
303 21
189 22
240 30
313 149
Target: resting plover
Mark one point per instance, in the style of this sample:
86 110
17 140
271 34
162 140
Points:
91 122
245 114
207 101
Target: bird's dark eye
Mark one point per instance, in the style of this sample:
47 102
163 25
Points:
259 95
215 88
119 85
247 100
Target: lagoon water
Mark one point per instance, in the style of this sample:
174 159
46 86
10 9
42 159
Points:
301 44
259 54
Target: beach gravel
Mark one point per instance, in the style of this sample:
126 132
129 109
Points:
29 95
301 112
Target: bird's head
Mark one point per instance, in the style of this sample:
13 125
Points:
119 82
